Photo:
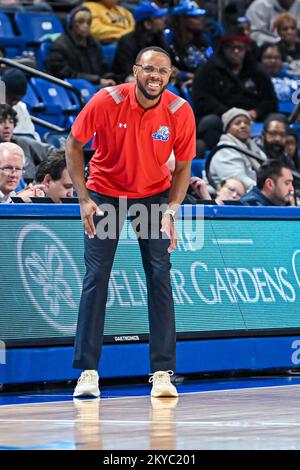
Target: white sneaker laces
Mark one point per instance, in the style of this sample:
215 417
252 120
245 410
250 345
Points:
161 377
88 376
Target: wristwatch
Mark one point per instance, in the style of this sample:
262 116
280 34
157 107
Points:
171 213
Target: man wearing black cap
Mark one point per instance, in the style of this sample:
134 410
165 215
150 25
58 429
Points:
15 90
231 78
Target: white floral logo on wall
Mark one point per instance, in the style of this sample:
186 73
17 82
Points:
50 276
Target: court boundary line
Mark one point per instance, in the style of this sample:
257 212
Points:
148 395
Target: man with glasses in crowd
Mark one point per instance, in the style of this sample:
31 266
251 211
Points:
137 125
12 161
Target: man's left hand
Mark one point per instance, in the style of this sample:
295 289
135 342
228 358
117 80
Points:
168 227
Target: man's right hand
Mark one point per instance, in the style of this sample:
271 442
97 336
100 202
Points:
87 210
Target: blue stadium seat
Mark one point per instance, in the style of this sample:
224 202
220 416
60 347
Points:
58 139
33 26
32 101
56 100
36 107
256 129
186 93
13 44
54 95
109 52
198 165
42 53
173 89
86 88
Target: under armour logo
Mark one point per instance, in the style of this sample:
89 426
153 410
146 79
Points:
122 125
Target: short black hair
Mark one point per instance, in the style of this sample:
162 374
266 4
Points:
275 117
7 112
270 169
53 166
266 46
151 48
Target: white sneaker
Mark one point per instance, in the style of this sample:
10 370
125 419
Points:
161 384
87 385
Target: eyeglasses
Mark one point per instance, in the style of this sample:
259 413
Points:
233 190
272 57
276 133
164 71
9 170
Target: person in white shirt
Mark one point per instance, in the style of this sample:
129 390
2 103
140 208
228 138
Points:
262 14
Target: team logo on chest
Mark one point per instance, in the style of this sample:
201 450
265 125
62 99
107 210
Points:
163 134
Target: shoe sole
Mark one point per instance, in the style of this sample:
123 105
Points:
87 393
165 393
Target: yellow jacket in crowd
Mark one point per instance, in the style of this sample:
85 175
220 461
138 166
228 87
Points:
109 23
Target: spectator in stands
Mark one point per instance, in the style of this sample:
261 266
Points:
187 41
262 14
15 89
110 21
286 27
77 54
34 151
274 186
291 147
236 155
149 28
231 78
53 174
273 139
231 189
12 161
270 56
245 23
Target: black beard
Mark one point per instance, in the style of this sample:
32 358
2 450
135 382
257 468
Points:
274 151
146 94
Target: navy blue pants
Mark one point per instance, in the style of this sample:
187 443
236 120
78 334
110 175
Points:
99 255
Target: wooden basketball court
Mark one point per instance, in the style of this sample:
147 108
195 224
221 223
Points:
246 418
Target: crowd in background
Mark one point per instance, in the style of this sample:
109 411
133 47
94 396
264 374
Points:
234 74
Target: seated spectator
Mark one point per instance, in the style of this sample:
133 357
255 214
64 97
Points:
34 151
188 43
110 21
245 24
15 88
77 54
286 27
231 189
262 14
274 186
291 147
231 78
53 174
236 155
149 28
12 161
270 56
273 139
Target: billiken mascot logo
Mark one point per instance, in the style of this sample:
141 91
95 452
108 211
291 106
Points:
163 134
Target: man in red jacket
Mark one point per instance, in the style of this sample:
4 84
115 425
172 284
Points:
138 125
